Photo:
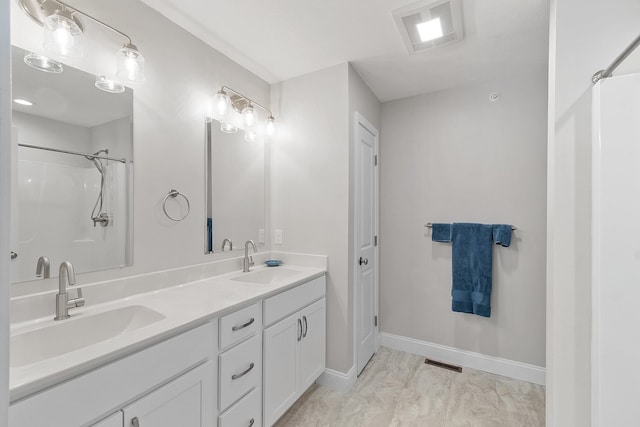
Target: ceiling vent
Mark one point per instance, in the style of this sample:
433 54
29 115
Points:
428 24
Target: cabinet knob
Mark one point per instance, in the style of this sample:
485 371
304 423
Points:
364 261
135 422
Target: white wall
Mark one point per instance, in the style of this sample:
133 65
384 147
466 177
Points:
5 199
40 131
455 156
586 35
182 73
310 188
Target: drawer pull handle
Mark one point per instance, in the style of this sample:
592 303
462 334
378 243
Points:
251 422
242 374
135 422
237 328
299 329
304 334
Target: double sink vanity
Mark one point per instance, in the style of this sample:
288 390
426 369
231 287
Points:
197 346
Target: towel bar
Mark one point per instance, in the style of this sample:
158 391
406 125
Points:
429 225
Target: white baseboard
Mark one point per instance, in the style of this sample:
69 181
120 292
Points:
337 380
495 365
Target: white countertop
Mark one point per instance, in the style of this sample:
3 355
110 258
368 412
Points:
184 307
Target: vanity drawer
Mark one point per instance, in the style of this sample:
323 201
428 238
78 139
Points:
240 371
246 413
240 324
286 303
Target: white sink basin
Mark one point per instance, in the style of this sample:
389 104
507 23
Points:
267 276
77 332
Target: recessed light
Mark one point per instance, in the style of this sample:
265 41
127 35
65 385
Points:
23 102
430 30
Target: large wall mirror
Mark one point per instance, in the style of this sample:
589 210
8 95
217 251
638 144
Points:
72 172
235 190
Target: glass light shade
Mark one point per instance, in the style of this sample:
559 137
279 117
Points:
130 64
60 34
250 136
108 85
221 103
228 127
270 126
249 116
42 63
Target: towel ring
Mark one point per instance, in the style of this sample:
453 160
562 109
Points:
174 194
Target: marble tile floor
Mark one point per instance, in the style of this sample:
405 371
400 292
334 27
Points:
399 389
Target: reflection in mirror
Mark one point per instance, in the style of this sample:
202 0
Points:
72 172
234 190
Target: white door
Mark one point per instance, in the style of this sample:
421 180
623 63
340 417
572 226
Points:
187 401
366 225
312 346
281 369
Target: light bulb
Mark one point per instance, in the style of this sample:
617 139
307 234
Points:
63 38
221 104
270 126
61 30
130 64
249 116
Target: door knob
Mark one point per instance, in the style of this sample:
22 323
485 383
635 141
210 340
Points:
364 261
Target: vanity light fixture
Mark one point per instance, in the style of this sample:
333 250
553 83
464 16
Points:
244 106
62 26
109 85
42 63
60 32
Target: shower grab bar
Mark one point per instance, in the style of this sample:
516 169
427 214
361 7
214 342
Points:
57 150
429 225
603 74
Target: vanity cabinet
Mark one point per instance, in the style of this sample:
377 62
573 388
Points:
186 402
114 420
240 368
173 381
294 347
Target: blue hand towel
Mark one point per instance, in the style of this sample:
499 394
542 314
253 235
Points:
471 261
502 234
209 235
441 232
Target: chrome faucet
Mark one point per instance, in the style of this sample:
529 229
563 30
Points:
224 243
248 260
43 267
63 303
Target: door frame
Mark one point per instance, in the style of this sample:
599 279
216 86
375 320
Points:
360 120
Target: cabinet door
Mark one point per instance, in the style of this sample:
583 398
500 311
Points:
114 420
313 344
187 401
281 367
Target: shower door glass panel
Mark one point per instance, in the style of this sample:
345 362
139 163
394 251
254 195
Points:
69 207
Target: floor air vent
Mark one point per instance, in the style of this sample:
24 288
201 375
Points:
443 365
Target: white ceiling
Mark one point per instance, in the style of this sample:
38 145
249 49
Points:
69 97
281 39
